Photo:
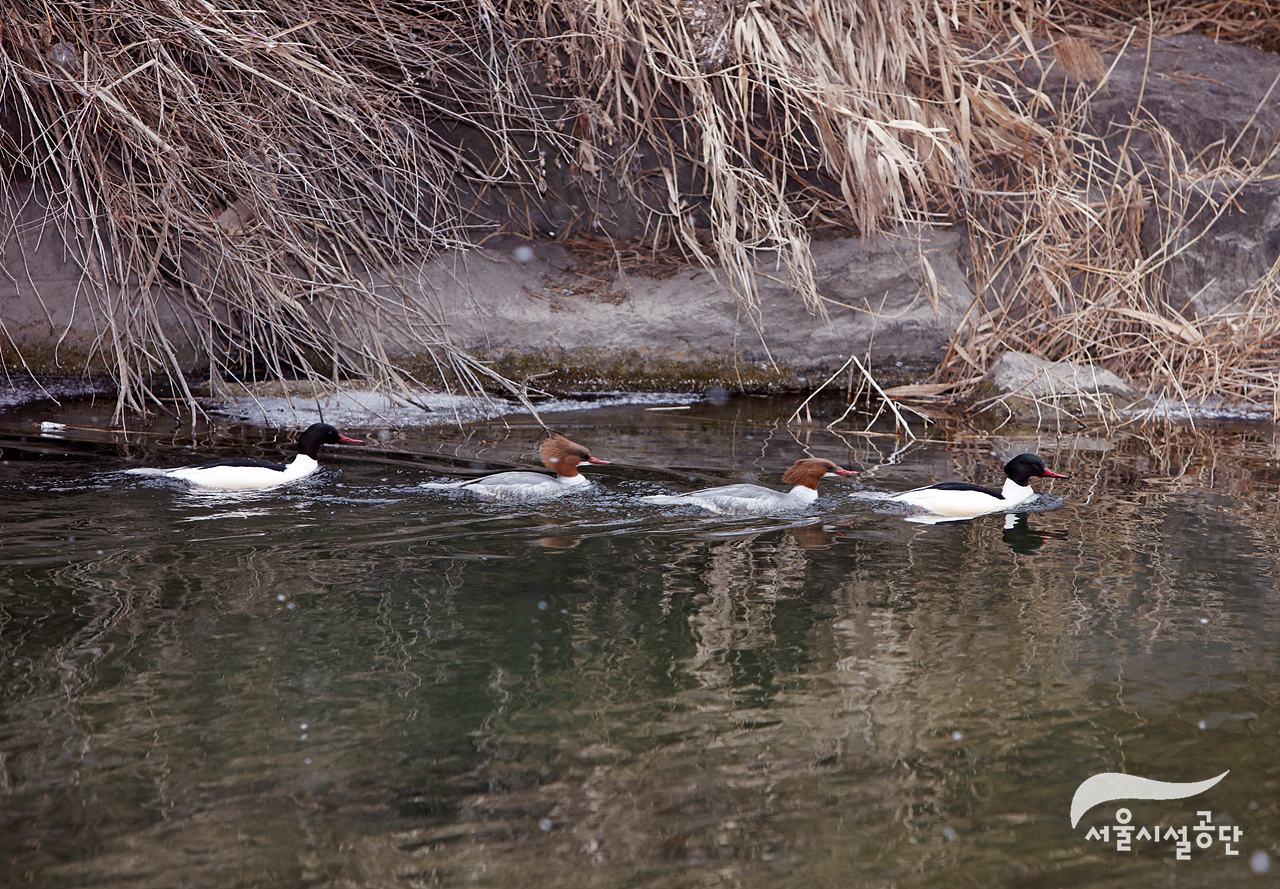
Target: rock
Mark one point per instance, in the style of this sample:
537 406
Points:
588 324
1031 388
1220 236
52 316
1211 97
1223 242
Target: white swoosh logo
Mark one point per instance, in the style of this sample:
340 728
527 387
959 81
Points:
1113 785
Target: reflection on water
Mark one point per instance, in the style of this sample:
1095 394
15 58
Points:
1021 537
347 683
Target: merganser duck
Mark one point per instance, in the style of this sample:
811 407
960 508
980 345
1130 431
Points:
745 499
558 454
961 500
247 474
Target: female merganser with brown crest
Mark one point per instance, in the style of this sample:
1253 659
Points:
961 500
247 474
558 454
746 499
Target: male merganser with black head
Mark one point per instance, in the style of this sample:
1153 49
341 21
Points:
746 499
247 474
558 454
961 500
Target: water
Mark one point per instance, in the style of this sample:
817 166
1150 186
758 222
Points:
357 683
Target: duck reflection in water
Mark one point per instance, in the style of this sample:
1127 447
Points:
812 536
560 543
1022 539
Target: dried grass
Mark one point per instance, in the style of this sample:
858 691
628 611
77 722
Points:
258 165
1246 22
789 116
266 164
1057 252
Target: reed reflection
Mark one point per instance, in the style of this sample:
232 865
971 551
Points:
409 690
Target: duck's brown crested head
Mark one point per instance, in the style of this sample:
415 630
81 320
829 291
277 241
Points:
810 470
564 457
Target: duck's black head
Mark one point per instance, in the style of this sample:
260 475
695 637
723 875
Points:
1025 466
318 434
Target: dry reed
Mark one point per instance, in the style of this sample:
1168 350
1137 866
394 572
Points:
261 166
254 169
1057 250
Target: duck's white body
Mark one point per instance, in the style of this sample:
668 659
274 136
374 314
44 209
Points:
230 477
744 499
516 485
740 499
952 501
246 474
967 503
558 454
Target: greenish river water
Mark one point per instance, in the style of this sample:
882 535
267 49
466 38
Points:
354 682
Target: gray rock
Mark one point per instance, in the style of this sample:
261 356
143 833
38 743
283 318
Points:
1211 97
1209 239
1030 388
1222 241
878 296
1220 236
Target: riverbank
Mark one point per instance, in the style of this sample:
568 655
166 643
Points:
1181 303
